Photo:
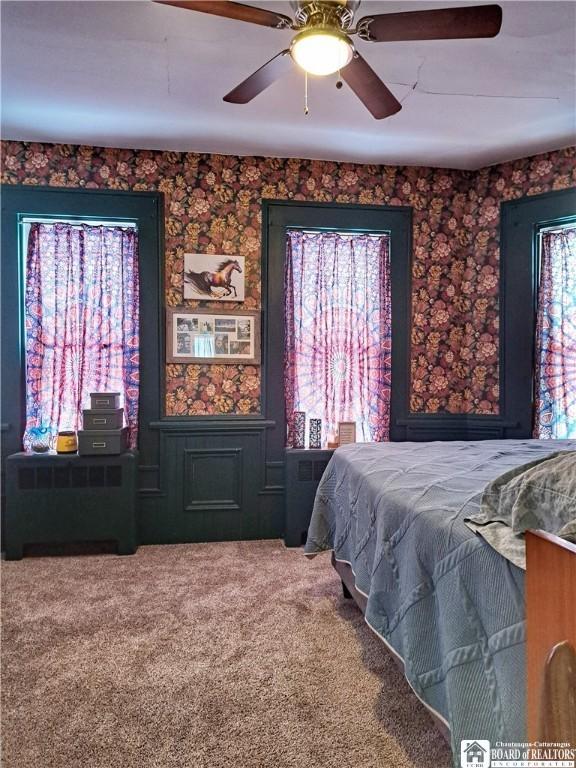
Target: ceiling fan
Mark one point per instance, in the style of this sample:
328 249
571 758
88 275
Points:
322 44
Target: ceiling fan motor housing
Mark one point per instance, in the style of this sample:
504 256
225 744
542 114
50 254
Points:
330 14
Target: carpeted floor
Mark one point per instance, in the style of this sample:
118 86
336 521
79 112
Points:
232 655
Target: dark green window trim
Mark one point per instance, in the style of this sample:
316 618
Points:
520 222
281 215
146 209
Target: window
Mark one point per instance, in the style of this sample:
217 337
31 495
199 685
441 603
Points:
555 379
81 318
338 331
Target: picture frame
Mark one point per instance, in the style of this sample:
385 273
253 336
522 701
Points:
214 277
346 432
212 336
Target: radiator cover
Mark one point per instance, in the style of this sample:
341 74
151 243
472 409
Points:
304 470
53 499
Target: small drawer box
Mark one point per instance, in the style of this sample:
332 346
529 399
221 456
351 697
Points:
102 418
104 400
110 442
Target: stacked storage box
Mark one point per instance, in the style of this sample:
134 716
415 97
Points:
103 432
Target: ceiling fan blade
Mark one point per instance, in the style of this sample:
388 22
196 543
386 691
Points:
260 79
237 11
371 91
441 24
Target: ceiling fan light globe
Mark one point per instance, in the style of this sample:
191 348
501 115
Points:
321 52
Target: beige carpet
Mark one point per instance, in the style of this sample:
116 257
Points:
233 655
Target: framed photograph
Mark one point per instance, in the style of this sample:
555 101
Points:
213 278
346 432
208 336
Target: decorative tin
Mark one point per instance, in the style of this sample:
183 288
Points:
66 442
299 429
315 433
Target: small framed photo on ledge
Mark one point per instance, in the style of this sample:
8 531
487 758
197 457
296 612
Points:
208 336
346 432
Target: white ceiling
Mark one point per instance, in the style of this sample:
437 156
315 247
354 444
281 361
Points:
142 75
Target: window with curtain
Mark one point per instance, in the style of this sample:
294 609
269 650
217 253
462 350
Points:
81 310
555 375
338 331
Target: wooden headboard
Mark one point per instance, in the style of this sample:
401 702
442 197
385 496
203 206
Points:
550 637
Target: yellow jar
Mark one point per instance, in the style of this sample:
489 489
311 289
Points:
66 442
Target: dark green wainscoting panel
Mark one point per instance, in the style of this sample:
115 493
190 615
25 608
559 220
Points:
215 484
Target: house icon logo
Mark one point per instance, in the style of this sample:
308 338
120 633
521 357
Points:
475 754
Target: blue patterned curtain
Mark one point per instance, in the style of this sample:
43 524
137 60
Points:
338 331
555 415
82 323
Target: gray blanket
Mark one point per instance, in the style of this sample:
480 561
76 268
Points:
541 494
446 602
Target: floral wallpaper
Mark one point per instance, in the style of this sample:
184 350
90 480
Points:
213 205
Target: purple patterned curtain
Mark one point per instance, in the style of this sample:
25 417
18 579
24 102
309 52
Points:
338 331
82 323
555 415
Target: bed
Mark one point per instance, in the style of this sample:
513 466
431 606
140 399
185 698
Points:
443 600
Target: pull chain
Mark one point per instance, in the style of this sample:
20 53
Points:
306 110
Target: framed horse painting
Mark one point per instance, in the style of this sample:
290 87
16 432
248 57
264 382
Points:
208 277
208 336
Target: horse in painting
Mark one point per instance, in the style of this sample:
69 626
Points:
206 282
